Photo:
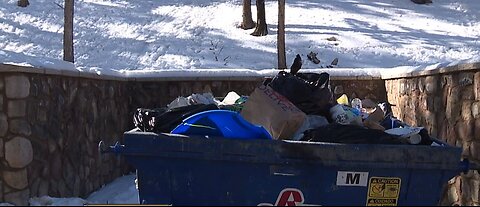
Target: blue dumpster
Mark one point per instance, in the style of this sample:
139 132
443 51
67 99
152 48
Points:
181 170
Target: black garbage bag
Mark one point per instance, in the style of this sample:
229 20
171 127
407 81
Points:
310 92
144 118
350 134
164 120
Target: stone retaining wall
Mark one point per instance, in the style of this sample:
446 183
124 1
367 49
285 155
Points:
448 105
51 124
50 129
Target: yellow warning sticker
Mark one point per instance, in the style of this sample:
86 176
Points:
383 191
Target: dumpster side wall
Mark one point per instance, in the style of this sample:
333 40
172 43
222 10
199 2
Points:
51 124
448 105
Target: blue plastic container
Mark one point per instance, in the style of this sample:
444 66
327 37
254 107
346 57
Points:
220 123
179 170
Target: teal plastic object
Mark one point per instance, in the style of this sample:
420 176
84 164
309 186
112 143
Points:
221 123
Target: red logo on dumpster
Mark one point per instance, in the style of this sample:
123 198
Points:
289 197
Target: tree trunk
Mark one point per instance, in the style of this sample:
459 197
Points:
261 28
282 62
68 31
23 3
247 22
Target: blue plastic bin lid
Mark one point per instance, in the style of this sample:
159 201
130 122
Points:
221 123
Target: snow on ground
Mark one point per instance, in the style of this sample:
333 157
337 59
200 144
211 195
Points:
144 38
120 191
203 34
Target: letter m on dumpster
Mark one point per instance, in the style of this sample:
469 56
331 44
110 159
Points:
289 197
352 178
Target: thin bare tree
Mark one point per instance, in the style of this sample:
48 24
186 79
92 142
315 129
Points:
247 22
261 27
282 62
68 54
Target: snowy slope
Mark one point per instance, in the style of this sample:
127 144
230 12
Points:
203 34
192 36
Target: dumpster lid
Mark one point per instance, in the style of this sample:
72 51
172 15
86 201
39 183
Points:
290 152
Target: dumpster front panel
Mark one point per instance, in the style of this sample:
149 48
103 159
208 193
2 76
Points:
184 171
193 182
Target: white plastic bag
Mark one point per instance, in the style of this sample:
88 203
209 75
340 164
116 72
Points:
408 133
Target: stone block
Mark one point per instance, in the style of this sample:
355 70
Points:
68 171
111 91
477 129
20 127
18 152
16 108
475 150
3 125
465 78
466 190
431 85
451 135
429 102
453 106
476 86
470 174
475 183
207 88
412 86
62 189
421 84
476 110
467 93
458 143
452 194
467 110
458 186
34 186
52 145
422 102
445 81
2 155
89 187
1 102
61 143
430 119
197 88
466 150
173 90
18 198
442 134
72 96
16 179
17 86
56 166
76 186
53 187
45 171
43 188
42 115
402 87
338 90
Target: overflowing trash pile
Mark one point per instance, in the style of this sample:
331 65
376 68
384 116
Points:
290 106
